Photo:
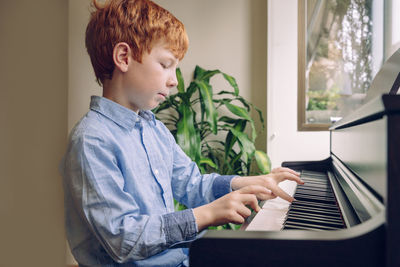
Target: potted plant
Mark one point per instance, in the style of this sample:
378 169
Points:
216 142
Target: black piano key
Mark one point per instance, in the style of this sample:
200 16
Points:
315 193
311 173
314 199
315 207
310 226
315 186
314 190
316 211
314 222
307 216
315 181
298 202
319 224
298 227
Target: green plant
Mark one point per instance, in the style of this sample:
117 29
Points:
323 99
216 142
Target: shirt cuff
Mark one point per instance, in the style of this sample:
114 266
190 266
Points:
222 185
179 226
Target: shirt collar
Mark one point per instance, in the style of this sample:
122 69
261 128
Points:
119 114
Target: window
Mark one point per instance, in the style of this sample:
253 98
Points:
342 45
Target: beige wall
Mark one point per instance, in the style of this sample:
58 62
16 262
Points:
81 79
33 115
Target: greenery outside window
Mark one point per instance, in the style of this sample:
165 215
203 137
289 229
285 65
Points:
342 45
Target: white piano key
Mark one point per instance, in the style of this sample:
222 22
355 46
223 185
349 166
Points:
272 215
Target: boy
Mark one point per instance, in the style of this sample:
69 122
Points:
123 168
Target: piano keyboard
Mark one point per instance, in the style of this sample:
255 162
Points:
315 207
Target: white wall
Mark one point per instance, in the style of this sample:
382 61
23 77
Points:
284 142
33 119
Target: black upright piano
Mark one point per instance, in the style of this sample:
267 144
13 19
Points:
348 211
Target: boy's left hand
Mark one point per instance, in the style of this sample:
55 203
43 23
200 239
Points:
270 181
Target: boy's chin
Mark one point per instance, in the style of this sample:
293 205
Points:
156 104
152 106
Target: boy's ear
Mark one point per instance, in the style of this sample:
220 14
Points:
121 56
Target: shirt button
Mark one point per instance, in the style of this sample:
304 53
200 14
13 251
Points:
156 171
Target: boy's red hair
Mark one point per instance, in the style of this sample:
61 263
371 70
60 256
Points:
139 23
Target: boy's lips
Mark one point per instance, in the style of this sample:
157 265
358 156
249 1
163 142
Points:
162 94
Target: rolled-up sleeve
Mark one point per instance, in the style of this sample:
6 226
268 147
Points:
96 186
222 185
179 227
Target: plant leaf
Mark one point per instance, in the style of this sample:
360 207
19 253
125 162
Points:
209 162
164 105
186 135
238 111
181 83
231 139
243 113
191 89
245 144
227 119
198 72
202 74
178 206
208 74
208 104
263 161
232 82
225 93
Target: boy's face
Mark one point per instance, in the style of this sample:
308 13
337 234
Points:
147 84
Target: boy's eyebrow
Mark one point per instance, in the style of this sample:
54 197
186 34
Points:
169 55
172 59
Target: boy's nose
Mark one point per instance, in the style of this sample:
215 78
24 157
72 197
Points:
172 81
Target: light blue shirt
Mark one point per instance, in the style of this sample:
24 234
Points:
121 172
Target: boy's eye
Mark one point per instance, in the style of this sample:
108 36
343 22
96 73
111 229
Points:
163 65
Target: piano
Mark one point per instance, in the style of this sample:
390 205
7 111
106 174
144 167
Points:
348 211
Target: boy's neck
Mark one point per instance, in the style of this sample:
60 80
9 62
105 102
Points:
112 89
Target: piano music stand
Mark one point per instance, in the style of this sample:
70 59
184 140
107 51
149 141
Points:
396 85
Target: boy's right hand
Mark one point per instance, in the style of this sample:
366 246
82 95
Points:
230 208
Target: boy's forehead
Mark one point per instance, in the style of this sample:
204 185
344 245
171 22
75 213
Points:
162 48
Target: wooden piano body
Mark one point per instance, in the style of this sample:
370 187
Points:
364 169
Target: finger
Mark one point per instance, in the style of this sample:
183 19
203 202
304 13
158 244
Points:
251 200
290 170
290 176
284 169
253 189
266 196
280 193
243 211
237 218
